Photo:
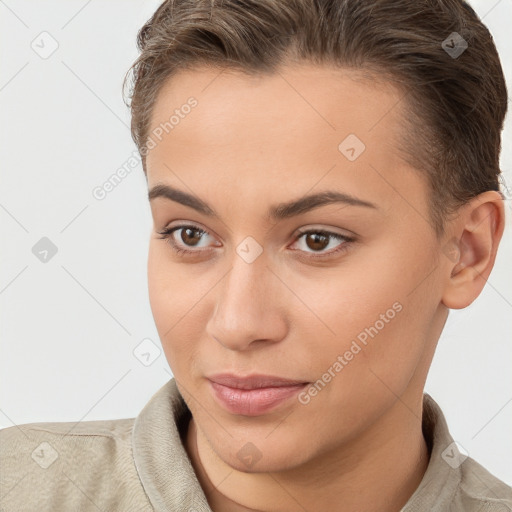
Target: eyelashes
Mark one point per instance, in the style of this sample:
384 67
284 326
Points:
168 235
345 241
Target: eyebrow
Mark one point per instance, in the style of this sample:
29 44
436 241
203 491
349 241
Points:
276 212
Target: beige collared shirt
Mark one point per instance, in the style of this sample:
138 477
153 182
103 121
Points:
140 464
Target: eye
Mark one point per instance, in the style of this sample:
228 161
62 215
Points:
182 236
190 236
319 239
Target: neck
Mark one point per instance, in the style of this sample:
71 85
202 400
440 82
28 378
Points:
384 465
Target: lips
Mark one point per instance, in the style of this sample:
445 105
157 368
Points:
254 394
253 381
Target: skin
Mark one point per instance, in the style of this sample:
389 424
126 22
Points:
252 142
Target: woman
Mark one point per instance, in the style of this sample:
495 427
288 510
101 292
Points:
323 180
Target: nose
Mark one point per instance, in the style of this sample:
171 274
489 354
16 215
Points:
249 306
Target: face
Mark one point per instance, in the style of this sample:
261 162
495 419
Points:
336 294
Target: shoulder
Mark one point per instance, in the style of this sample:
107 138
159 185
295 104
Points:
106 428
45 443
481 490
84 465
453 480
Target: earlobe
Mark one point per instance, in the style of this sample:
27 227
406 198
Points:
471 252
464 281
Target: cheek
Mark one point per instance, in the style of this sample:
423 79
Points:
177 295
168 299
370 361
378 319
160 281
173 288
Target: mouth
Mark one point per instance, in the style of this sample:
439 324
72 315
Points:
253 395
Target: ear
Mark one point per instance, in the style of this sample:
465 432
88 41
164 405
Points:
471 250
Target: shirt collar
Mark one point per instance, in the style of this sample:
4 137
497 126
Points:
443 474
160 458
170 482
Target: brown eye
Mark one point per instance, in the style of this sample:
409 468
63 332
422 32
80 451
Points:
191 236
188 236
316 241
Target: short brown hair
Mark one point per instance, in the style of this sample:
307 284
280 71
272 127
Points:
454 106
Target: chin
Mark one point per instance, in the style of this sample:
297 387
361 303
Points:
262 455
264 465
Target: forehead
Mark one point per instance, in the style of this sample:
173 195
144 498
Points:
315 101
282 131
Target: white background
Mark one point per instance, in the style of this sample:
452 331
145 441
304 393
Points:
69 326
